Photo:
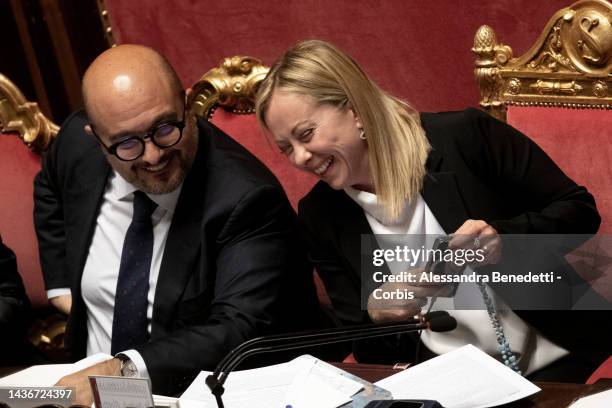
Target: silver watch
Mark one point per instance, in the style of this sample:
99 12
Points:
128 368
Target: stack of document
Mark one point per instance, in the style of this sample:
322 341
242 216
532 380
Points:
49 374
302 382
463 378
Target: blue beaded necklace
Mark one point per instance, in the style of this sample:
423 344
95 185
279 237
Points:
507 354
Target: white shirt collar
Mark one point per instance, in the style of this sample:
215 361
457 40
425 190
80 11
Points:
369 203
122 189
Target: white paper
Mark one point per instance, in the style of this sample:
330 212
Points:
49 374
316 386
263 387
310 391
161 401
462 378
601 399
333 376
275 386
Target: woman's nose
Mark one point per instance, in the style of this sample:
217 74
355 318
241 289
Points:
301 155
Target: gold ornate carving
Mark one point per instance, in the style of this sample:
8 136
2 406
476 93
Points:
551 58
48 334
106 25
19 115
490 56
514 86
232 86
569 65
556 87
588 34
600 89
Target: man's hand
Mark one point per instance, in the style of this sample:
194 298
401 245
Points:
62 303
80 380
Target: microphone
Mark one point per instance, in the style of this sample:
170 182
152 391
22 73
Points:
441 321
437 321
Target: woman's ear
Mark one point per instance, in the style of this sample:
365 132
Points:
357 120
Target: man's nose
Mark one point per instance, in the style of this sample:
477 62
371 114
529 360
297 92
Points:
152 154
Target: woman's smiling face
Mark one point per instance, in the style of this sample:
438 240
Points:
319 138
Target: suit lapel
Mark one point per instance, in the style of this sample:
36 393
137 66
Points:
352 224
183 244
441 193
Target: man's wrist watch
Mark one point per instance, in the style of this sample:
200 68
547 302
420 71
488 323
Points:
128 368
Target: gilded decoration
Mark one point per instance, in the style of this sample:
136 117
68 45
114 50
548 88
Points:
232 86
106 25
569 65
25 118
558 87
490 57
600 89
514 86
551 59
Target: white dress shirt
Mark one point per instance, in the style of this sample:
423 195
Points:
101 270
473 326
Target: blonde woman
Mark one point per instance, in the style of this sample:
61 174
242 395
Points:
385 168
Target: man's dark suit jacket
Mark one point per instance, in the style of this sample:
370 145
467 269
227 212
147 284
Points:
232 269
479 168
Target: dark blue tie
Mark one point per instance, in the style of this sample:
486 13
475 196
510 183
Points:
130 314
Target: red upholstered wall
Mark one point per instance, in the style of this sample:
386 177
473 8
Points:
18 166
580 142
419 50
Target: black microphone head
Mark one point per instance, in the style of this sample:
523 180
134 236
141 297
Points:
216 388
435 314
442 323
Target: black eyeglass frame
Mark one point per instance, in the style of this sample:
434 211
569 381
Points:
112 149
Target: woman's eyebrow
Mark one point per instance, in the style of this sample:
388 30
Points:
295 129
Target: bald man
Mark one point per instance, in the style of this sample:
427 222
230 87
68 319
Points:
167 241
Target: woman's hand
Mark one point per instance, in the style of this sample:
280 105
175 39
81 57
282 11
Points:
398 310
478 235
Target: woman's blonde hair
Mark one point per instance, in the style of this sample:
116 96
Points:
397 145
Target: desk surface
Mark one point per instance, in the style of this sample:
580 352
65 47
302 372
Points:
553 395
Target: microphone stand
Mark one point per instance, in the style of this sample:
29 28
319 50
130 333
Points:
435 321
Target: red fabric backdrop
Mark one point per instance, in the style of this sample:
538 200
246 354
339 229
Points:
18 166
578 140
418 50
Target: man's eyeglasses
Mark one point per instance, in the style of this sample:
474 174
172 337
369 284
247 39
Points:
163 135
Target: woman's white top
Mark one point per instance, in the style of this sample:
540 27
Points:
417 222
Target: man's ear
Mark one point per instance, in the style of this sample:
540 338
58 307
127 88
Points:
188 97
88 129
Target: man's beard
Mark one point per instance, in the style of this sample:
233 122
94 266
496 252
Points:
182 159
164 186
168 182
